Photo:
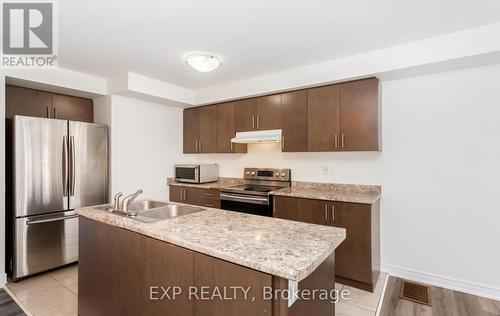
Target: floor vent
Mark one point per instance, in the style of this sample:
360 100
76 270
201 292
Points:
414 292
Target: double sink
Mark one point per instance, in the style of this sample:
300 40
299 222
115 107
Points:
149 211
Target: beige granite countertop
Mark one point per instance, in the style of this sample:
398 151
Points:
223 182
352 193
287 249
364 194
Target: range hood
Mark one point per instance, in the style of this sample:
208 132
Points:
257 137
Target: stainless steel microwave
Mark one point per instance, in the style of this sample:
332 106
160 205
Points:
202 173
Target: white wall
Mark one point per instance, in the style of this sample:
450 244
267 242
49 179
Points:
439 169
146 141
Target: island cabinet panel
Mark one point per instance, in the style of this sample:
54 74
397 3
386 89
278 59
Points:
294 121
360 119
323 118
191 130
322 278
167 265
216 273
226 129
109 270
268 114
245 112
285 207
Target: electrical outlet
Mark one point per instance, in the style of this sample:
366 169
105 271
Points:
328 170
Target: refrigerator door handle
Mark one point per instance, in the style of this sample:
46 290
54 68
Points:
48 220
72 163
65 162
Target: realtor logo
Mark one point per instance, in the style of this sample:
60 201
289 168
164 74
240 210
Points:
28 31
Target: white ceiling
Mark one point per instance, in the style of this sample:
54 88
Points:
254 37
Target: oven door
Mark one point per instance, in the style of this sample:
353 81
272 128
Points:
249 204
187 173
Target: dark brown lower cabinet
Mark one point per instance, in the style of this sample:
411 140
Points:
121 272
195 196
358 257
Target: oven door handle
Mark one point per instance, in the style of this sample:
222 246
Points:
244 199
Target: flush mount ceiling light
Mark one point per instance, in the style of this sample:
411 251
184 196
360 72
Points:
203 62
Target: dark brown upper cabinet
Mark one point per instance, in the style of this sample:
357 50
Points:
29 102
70 108
258 113
226 130
294 121
200 128
191 130
359 115
323 118
344 117
268 114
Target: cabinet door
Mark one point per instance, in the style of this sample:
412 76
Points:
294 121
191 130
215 273
70 108
354 256
359 115
268 112
245 115
210 198
313 211
176 193
226 130
285 207
193 196
27 102
167 265
208 129
323 118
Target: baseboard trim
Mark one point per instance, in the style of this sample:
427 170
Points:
444 282
3 280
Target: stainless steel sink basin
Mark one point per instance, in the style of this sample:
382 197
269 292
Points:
149 211
146 205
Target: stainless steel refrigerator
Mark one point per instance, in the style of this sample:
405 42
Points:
58 166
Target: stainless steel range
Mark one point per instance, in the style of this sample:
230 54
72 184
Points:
253 197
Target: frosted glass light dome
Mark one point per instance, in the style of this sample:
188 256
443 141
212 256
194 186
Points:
203 62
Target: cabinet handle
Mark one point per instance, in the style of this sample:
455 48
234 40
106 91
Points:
274 206
182 199
200 145
48 113
282 142
55 113
336 140
253 121
209 205
231 145
196 145
326 211
342 141
258 121
209 194
333 213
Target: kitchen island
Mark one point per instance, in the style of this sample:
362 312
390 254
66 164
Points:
212 262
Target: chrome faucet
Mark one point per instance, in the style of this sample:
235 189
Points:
128 200
116 204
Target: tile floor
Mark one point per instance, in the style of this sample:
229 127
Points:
55 293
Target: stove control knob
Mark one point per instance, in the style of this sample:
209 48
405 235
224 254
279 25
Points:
283 174
253 173
277 174
247 173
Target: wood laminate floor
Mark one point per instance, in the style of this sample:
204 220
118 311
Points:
444 303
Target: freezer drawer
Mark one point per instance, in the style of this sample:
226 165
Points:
44 242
